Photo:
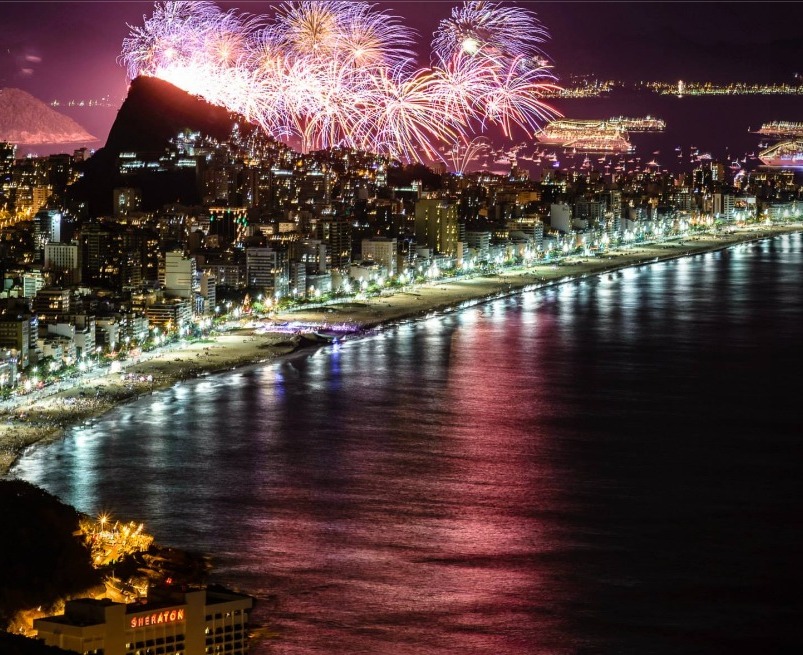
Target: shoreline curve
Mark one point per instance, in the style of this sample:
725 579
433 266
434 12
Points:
42 421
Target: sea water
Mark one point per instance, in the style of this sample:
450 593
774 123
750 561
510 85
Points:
610 465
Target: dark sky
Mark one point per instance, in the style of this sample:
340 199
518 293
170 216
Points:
69 49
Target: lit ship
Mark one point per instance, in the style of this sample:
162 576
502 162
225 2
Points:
585 136
597 135
781 129
646 124
563 130
786 154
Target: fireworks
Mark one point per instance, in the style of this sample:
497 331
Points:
333 72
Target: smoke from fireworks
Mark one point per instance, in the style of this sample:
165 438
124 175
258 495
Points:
336 72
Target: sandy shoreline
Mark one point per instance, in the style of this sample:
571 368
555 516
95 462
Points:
429 298
42 420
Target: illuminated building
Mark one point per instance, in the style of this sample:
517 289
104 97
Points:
381 250
314 187
133 327
63 263
32 281
312 252
51 302
226 274
107 332
126 200
723 206
614 201
336 234
228 224
436 225
97 247
169 315
298 278
8 153
208 292
560 217
15 334
201 622
179 275
589 210
47 227
480 242
267 269
29 187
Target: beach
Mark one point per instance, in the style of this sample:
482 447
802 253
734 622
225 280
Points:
41 418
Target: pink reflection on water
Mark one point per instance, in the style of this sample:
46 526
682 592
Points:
437 543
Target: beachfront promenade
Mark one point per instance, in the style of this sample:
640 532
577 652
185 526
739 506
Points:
43 414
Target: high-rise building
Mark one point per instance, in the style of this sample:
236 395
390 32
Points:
267 269
63 263
312 252
179 277
51 303
381 250
228 224
560 216
298 278
96 241
480 242
436 225
32 281
15 334
336 234
208 293
126 201
723 206
47 227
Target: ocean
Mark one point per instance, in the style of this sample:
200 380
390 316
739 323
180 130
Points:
608 466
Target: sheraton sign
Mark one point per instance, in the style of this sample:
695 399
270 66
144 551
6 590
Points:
156 618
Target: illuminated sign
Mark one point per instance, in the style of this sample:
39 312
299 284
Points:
168 616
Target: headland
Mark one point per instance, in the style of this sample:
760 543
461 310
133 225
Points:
39 419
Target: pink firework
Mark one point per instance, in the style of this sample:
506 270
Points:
335 72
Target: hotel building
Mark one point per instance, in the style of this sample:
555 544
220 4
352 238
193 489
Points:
199 622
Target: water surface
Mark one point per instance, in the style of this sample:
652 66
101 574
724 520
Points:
605 466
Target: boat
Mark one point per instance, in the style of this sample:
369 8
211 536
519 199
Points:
645 124
785 154
781 129
585 135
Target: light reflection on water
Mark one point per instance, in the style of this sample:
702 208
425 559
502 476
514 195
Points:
607 466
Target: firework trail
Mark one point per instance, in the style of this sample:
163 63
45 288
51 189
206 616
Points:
336 72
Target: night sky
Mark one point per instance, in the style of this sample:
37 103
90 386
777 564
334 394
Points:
69 49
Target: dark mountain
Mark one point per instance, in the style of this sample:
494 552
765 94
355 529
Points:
153 112
28 121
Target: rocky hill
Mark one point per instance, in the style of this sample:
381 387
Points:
42 559
153 112
26 120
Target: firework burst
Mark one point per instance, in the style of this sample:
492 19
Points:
336 72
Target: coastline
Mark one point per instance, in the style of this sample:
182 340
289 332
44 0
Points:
43 420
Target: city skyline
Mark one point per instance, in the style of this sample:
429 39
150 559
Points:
412 367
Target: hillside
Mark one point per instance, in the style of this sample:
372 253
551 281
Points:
153 112
26 120
42 560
